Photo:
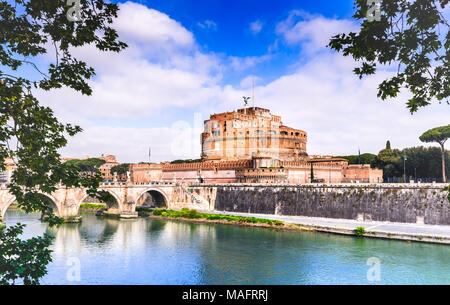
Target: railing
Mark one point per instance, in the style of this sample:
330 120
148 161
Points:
410 179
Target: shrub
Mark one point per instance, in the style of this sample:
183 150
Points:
193 214
360 231
93 206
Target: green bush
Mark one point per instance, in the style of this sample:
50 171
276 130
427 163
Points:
360 231
193 214
93 206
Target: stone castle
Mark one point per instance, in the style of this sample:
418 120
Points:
251 145
242 134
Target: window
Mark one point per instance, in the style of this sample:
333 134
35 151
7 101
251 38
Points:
258 132
284 133
271 132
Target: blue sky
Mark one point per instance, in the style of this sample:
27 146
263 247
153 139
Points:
224 27
189 59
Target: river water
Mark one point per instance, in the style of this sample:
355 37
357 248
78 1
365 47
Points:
144 251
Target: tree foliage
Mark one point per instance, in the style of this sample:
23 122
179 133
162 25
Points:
411 36
388 144
30 134
22 259
121 169
365 158
86 165
186 161
423 162
440 136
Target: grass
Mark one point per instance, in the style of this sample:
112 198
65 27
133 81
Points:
193 214
93 206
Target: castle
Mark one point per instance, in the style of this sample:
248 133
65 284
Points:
242 134
251 145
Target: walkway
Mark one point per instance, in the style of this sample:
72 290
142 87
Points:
403 231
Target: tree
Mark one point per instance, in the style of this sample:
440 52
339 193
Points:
388 144
366 158
413 37
29 132
19 259
422 162
87 165
439 135
121 169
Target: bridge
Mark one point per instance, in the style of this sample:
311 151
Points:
66 201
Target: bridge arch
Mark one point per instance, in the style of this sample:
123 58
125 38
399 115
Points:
51 200
114 205
153 197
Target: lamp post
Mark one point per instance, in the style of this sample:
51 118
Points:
404 168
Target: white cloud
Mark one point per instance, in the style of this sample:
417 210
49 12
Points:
243 63
208 25
256 26
130 144
161 68
140 24
340 112
311 31
165 70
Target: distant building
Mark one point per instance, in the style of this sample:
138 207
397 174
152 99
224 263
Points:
251 145
246 132
105 169
5 176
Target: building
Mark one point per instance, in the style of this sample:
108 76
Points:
251 145
5 176
145 172
105 169
241 134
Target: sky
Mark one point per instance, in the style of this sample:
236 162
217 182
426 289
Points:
189 59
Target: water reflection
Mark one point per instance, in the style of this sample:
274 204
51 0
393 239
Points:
142 251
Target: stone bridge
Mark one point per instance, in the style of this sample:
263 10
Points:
66 201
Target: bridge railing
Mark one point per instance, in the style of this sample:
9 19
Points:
151 183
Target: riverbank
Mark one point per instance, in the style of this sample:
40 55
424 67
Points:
372 229
187 215
375 229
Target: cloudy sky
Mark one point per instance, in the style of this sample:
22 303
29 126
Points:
188 59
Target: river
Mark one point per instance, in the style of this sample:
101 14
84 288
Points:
150 251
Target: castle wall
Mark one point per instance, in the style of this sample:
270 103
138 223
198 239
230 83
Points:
145 173
379 202
362 173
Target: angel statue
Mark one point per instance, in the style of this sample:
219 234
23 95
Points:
246 98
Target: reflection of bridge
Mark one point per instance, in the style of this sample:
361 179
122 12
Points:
66 201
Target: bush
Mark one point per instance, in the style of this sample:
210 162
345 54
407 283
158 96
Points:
193 214
93 206
360 231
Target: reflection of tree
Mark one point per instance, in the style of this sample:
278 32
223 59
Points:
98 231
67 240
